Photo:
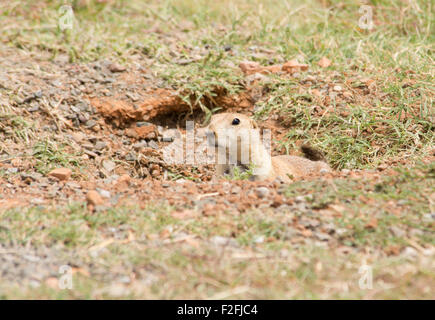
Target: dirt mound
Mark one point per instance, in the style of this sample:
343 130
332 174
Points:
159 102
162 102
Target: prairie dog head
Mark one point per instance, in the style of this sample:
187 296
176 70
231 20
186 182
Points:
233 134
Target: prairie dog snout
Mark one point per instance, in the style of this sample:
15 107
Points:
237 143
225 129
236 139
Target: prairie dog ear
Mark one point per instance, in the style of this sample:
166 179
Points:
254 124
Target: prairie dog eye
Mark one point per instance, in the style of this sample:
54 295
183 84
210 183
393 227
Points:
235 122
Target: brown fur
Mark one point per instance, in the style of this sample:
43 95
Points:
285 167
312 153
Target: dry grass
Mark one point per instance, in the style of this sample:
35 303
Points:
194 47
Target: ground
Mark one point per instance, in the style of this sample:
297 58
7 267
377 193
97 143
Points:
104 100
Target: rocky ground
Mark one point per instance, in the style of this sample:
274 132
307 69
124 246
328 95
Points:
86 181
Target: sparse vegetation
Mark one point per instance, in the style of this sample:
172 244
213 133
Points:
371 111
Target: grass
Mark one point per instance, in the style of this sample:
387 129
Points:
270 255
17 127
194 48
198 59
398 200
49 154
240 174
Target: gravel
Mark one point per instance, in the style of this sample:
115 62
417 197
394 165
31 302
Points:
262 192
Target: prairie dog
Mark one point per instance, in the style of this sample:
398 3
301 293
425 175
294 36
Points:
237 143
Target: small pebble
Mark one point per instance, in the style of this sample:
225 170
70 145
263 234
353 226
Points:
100 145
90 123
130 157
153 144
300 199
143 124
109 165
262 192
104 193
12 170
140 145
